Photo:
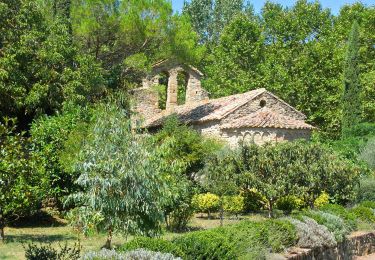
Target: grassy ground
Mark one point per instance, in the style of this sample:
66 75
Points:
18 237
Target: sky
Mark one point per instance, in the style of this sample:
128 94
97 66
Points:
334 5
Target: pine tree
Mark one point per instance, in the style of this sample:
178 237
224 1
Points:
352 87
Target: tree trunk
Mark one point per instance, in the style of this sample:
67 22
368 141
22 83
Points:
2 226
221 216
108 243
166 220
2 237
270 208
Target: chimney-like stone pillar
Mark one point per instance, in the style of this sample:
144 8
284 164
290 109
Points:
172 90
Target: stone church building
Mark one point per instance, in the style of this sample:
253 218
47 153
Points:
256 116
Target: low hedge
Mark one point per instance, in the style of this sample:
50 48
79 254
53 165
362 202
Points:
208 244
153 244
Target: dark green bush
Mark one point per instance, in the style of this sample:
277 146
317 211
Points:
349 218
368 204
366 189
364 214
281 234
209 244
253 201
153 244
253 240
289 203
47 252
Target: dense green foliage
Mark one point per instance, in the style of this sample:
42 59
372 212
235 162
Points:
21 185
49 135
366 189
363 213
294 52
298 168
40 67
182 153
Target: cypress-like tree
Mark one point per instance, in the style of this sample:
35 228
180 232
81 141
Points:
352 87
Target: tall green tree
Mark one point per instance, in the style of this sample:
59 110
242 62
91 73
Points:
123 186
21 184
40 67
209 17
234 66
352 112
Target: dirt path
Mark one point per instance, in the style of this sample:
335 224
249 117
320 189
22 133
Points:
367 257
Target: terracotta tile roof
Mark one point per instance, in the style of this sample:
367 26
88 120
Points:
266 118
203 111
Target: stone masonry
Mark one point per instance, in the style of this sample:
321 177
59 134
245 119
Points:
257 116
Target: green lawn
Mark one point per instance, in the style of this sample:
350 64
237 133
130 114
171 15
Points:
17 237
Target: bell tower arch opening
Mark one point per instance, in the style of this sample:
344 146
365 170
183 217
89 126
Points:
182 82
162 89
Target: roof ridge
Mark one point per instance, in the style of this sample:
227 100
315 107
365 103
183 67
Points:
261 91
293 108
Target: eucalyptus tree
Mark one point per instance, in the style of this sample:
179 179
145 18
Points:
123 185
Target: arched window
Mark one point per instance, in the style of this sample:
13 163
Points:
162 89
182 81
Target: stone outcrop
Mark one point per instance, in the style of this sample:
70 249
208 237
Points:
359 244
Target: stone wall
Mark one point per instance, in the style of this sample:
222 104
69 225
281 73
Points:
194 90
271 102
261 136
145 102
355 245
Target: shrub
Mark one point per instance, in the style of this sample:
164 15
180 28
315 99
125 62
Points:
47 252
334 223
364 214
289 203
180 216
366 189
368 153
253 200
280 234
253 240
322 200
247 238
233 204
206 202
139 254
368 204
210 244
338 210
153 244
311 234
